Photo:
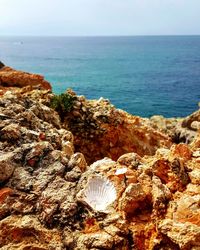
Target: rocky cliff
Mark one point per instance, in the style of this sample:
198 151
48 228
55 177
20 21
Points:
52 149
13 78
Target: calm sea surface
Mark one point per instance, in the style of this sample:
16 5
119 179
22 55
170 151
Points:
142 75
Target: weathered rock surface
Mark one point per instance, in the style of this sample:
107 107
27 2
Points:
100 130
13 78
26 232
179 129
45 165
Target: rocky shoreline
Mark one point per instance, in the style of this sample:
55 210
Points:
51 147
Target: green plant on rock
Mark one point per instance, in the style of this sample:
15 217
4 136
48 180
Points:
62 103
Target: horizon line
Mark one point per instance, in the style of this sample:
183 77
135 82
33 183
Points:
23 35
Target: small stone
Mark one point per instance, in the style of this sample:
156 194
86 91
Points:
196 154
6 166
97 240
195 125
130 159
11 132
66 135
195 176
73 175
78 159
67 148
84 109
38 150
131 198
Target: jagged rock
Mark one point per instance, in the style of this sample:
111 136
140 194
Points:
160 196
187 122
97 240
187 209
101 130
74 174
21 179
6 166
46 114
132 198
26 232
195 176
130 159
179 129
186 235
57 199
182 151
42 172
11 132
38 150
13 78
78 160
47 174
68 148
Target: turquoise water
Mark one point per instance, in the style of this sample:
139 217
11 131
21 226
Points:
142 75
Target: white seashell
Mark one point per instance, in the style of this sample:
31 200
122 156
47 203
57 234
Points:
121 171
99 193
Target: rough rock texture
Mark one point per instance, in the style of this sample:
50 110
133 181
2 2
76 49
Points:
13 78
101 130
43 170
26 232
178 129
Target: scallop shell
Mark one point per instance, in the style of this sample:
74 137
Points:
100 193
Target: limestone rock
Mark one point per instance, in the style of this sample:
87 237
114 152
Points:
26 232
132 198
130 159
11 132
78 160
188 121
186 235
44 165
6 166
101 130
160 196
13 78
97 240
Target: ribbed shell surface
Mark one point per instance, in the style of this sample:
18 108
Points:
100 193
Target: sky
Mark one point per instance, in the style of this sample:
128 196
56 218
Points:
99 17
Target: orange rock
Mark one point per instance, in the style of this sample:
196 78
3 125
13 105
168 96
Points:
161 168
91 225
131 198
13 78
4 192
181 150
188 209
196 143
112 133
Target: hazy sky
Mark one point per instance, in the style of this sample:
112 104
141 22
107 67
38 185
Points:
99 17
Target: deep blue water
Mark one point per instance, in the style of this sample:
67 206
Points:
142 75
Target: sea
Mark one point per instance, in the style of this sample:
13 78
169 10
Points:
144 75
